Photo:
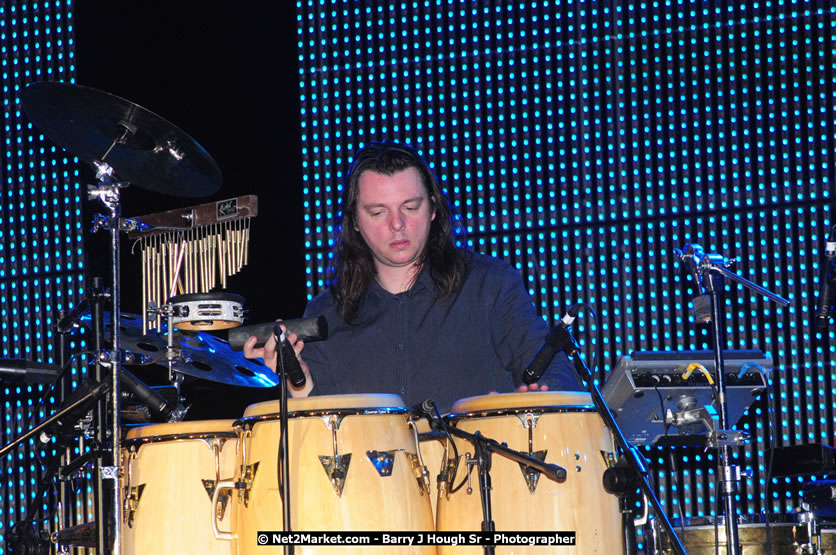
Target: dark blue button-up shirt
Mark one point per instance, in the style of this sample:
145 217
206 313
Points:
477 340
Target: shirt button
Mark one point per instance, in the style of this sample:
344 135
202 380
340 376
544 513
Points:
400 346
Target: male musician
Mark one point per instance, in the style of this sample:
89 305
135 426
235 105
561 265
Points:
408 311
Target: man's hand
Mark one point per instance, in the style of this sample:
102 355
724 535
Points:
525 388
269 356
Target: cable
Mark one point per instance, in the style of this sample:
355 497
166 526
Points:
598 343
697 366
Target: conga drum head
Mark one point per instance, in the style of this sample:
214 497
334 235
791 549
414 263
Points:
327 402
181 430
517 401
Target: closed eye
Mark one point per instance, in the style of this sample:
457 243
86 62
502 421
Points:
412 205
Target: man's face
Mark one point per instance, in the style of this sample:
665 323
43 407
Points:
393 216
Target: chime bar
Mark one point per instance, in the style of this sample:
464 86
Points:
192 250
201 215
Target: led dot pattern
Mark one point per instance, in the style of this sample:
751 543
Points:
583 141
41 252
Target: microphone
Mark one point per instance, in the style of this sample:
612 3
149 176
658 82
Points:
537 366
292 368
157 404
824 304
426 409
307 329
63 429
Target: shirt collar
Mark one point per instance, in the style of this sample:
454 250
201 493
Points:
424 283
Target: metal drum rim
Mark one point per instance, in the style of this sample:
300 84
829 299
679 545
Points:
249 421
178 437
514 411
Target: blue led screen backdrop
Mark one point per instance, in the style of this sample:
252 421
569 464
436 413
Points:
580 141
583 141
41 254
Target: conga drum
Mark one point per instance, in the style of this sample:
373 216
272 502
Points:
353 467
170 475
560 428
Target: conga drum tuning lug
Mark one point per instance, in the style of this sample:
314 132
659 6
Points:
132 497
529 419
532 475
422 475
336 468
246 483
608 458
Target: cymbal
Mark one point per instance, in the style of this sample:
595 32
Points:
204 356
149 152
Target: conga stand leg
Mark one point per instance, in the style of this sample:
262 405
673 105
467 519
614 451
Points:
634 459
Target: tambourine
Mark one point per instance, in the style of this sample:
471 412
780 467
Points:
207 311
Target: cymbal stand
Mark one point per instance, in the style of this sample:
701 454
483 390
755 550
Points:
709 271
172 353
108 193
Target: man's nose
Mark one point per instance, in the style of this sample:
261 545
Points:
396 222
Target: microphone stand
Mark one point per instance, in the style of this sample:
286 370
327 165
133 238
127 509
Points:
633 457
484 448
709 271
74 409
284 455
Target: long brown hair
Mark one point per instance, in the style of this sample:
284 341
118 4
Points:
353 264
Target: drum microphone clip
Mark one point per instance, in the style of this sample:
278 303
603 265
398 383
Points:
156 403
427 409
289 362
